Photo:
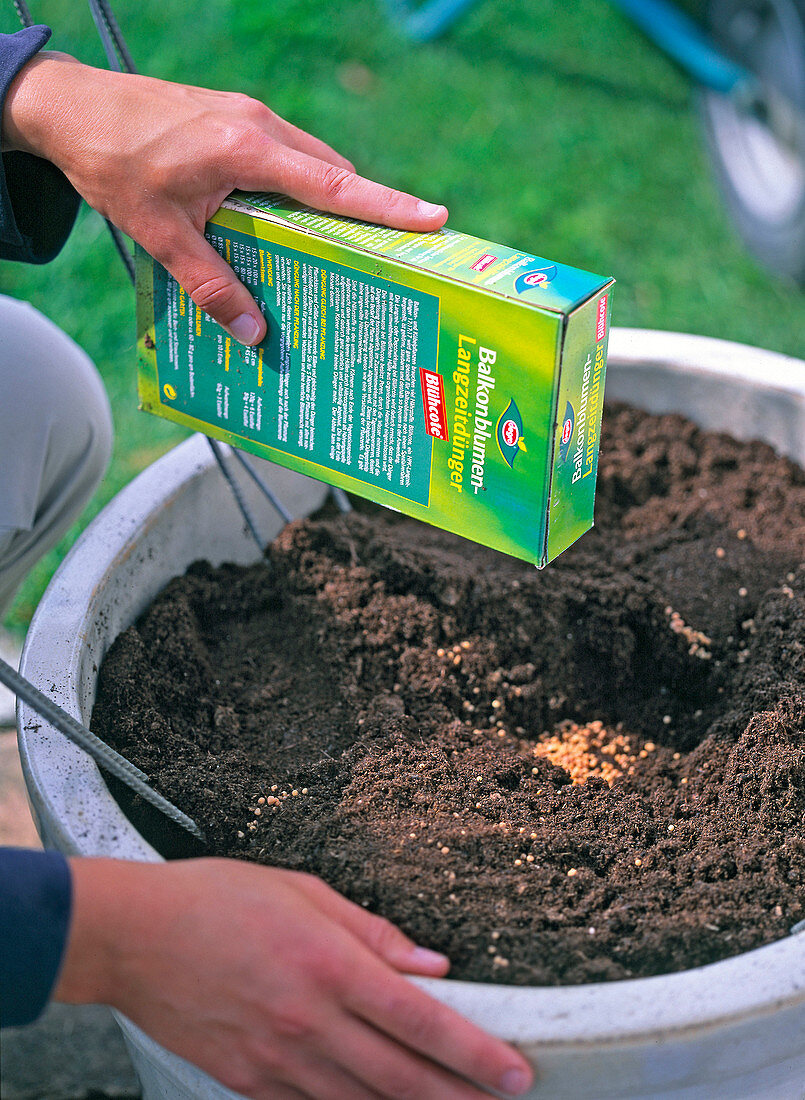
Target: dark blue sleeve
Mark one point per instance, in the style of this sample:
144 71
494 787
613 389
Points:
35 903
38 205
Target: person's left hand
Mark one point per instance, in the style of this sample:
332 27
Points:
158 159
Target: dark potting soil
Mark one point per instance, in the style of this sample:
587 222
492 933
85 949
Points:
588 773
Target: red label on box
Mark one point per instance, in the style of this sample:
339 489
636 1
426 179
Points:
601 325
433 399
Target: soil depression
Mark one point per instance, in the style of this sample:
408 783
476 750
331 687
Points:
588 773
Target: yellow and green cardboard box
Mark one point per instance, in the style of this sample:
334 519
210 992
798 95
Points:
453 379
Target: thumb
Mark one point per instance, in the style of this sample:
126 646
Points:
212 284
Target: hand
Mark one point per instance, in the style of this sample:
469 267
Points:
158 159
273 983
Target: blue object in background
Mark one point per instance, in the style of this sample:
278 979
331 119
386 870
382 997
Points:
682 39
665 24
427 20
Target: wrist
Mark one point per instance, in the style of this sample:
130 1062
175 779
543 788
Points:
36 98
109 904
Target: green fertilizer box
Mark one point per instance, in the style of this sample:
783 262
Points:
453 379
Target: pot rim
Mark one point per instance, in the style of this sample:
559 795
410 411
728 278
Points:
59 775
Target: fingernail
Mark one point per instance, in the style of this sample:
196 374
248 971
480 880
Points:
515 1082
245 328
430 209
424 957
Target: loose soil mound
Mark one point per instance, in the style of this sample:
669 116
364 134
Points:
588 773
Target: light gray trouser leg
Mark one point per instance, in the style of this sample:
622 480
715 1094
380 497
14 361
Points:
55 438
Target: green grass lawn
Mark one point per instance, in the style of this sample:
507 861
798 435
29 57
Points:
552 127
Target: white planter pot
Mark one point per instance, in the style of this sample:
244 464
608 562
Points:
729 1031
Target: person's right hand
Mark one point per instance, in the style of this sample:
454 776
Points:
274 984
158 159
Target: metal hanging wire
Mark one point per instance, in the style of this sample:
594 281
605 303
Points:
21 8
215 447
114 44
267 492
120 60
103 754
